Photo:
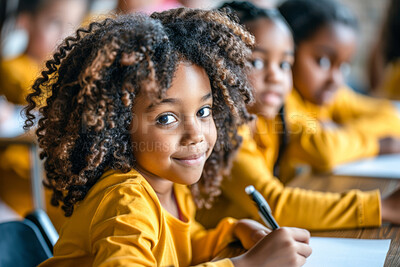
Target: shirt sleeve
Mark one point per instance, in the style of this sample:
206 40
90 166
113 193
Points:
206 244
122 232
361 120
294 206
323 149
377 117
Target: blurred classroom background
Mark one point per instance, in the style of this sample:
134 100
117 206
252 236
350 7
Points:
369 12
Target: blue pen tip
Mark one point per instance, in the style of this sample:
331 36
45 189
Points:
249 189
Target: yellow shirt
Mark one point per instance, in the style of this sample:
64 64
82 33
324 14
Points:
391 82
16 78
360 122
121 222
291 206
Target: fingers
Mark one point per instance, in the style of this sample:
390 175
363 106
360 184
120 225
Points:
249 232
300 235
303 250
259 234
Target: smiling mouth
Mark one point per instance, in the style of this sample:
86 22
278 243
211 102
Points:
192 160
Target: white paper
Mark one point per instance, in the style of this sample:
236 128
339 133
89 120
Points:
343 252
384 166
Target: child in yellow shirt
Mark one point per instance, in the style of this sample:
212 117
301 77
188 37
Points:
46 22
272 58
384 62
142 107
330 123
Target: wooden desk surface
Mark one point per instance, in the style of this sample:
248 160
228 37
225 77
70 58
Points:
342 183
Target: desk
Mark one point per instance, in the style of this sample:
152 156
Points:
333 183
342 183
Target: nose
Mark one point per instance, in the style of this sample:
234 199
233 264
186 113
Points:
336 76
192 131
272 73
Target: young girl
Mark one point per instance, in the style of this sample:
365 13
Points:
136 108
384 62
330 123
47 23
262 140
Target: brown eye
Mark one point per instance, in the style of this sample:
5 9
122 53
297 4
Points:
204 112
166 119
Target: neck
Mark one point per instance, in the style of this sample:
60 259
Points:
164 190
34 57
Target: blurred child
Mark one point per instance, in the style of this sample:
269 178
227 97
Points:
271 77
384 64
330 124
131 6
150 101
47 22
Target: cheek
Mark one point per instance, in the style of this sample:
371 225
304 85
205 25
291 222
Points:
305 76
154 147
256 81
210 133
287 83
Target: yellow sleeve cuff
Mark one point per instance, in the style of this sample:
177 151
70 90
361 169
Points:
369 211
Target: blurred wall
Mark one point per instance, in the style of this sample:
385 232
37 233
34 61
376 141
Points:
370 14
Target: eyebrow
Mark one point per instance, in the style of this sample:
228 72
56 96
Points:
152 106
326 49
287 53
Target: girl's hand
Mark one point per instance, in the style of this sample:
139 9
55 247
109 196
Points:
282 247
249 232
391 208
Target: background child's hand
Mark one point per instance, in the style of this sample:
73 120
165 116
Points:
249 232
391 208
329 125
389 145
282 247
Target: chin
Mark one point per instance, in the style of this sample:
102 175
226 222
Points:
188 178
323 102
269 113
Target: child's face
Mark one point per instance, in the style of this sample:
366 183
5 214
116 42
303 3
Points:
272 58
130 6
320 62
51 25
172 139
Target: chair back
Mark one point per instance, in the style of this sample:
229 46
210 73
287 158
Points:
22 244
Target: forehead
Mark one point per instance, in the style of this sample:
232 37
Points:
334 34
189 86
63 8
271 33
189 79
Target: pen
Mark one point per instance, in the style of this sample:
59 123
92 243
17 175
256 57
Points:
263 208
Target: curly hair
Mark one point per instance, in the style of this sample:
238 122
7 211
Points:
247 12
92 80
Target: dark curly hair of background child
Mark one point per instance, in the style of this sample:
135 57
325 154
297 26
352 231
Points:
92 82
